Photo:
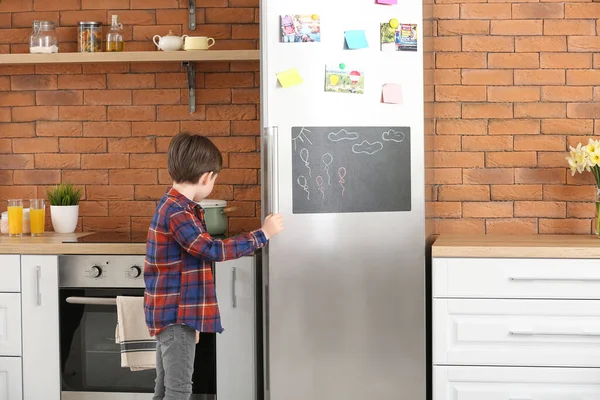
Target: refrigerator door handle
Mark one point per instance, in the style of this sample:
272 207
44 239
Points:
272 144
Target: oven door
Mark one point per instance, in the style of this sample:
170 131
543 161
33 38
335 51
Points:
91 360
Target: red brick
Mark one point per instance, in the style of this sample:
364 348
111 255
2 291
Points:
150 4
16 161
443 143
552 159
5 145
558 93
460 226
244 160
526 44
44 128
148 160
569 27
156 128
487 43
540 175
34 113
487 209
36 177
245 128
17 192
86 81
6 178
567 126
447 110
93 208
512 93
207 128
540 110
13 99
540 143
564 226
107 68
487 143
488 176
584 43
57 161
540 77
583 110
132 113
86 177
82 145
463 159
229 15
487 77
460 93
59 98
463 27
246 96
209 96
516 27
460 60
239 225
485 11
107 97
8 130
37 145
464 193
34 82
131 81
461 127
443 176
109 192
446 76
132 208
511 159
132 145
583 10
106 129
564 60
106 224
82 113
72 18
229 80
230 112
173 80
583 77
146 33
158 96
443 209
133 176
516 192
179 113
569 193
515 60
65 69
100 161
538 10
581 210
149 192
486 110
511 226
235 145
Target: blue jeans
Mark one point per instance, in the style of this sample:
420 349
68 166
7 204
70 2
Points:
175 353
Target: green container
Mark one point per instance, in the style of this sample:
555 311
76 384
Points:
215 218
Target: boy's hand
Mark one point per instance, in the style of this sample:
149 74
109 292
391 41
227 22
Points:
273 225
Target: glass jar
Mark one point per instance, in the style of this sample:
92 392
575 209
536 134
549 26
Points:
4 223
114 38
89 37
43 39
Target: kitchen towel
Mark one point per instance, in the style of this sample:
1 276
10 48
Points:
138 348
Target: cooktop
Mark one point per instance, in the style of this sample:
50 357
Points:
112 237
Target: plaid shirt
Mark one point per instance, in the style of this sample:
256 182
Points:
180 287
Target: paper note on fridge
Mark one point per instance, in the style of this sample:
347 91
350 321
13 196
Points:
356 40
289 78
387 1
392 93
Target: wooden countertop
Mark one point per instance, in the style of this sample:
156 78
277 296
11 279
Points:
517 246
52 243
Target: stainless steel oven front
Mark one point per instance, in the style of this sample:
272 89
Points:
90 358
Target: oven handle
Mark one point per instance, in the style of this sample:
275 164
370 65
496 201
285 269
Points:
97 301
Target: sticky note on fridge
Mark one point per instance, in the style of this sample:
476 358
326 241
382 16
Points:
386 1
289 78
356 40
392 93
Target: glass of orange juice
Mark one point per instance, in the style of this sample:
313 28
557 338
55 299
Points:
37 216
15 217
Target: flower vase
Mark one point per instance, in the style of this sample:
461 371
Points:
597 217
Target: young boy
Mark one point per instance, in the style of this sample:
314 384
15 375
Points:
179 299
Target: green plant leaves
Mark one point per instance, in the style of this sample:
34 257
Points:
64 195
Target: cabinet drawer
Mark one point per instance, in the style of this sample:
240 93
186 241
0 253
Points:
10 378
10 324
505 383
10 267
516 332
516 278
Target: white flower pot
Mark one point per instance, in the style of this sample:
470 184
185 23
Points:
64 218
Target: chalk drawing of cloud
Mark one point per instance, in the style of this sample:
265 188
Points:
367 148
342 135
393 136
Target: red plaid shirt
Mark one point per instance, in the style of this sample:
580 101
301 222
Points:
180 287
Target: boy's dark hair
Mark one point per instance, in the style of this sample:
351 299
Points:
191 156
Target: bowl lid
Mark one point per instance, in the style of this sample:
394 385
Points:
210 203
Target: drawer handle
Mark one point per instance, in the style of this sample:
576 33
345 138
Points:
38 285
533 333
553 279
233 295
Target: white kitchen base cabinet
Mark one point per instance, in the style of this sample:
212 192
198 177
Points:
10 378
496 383
236 346
41 348
516 329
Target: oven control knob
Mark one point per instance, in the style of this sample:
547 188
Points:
134 272
96 271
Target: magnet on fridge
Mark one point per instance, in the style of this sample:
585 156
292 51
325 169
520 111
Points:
394 23
315 17
342 66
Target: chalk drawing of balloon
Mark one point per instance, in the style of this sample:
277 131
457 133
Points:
334 79
354 77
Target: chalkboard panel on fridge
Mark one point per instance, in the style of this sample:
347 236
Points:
350 169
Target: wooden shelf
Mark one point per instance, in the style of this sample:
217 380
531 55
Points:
132 56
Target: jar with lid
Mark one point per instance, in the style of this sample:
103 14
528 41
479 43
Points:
89 37
43 39
114 38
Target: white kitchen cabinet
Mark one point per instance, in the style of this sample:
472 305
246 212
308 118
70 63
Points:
10 324
10 378
10 280
494 383
41 349
236 346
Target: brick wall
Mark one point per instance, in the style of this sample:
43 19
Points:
515 85
106 127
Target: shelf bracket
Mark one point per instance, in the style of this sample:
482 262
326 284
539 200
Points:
192 9
191 75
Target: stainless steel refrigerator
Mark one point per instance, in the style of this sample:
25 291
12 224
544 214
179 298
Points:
344 286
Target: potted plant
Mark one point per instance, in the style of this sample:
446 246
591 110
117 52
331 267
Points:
64 207
587 158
